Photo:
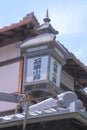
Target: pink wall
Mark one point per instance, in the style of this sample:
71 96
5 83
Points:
9 76
9 52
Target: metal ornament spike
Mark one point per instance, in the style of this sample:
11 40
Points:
47 19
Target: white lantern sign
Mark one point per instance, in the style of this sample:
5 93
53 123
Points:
55 72
37 68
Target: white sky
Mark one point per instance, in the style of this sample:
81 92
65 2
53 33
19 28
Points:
69 17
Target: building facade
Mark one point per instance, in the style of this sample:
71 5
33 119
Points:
11 60
31 60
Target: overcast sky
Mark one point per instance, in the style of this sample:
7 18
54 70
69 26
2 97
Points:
69 17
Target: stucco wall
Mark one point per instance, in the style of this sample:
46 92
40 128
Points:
9 76
9 52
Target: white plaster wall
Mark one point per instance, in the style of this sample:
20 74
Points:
9 52
9 76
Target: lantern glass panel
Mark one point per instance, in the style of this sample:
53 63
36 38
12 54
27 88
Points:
37 68
55 72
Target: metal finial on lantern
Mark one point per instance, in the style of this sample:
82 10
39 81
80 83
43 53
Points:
47 19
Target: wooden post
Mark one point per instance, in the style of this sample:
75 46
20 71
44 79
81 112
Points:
28 98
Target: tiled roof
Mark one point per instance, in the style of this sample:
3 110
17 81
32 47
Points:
74 66
30 18
18 31
66 106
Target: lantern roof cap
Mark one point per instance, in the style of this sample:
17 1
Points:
46 27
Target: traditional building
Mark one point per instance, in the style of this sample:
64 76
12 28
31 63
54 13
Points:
33 63
11 60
